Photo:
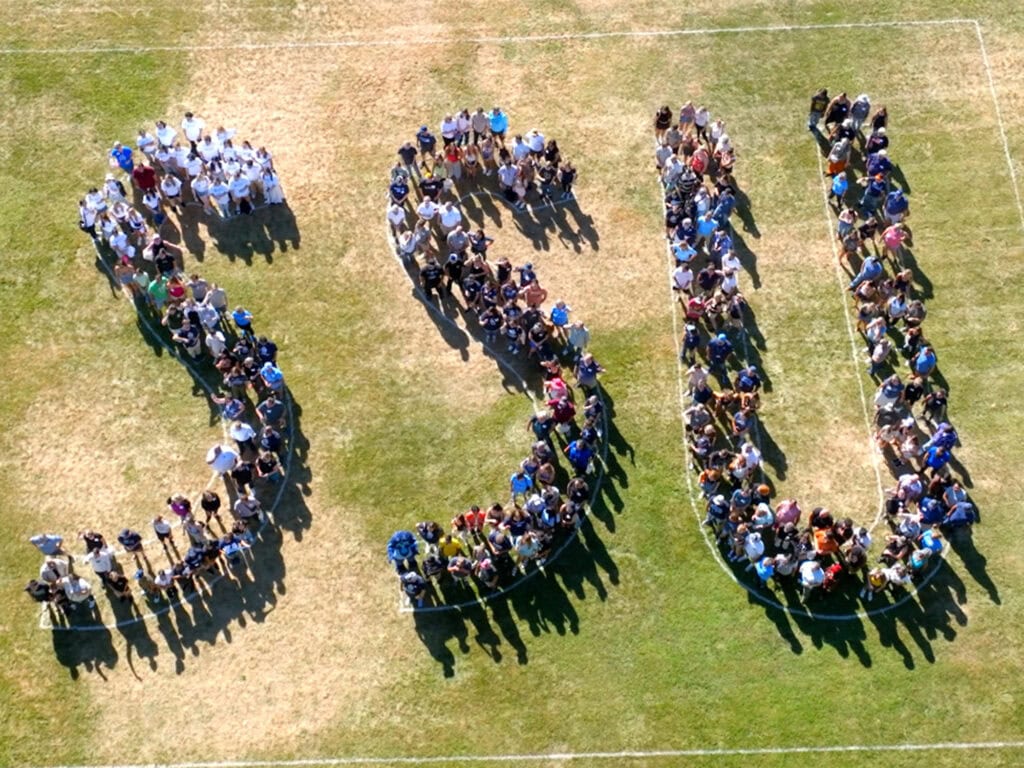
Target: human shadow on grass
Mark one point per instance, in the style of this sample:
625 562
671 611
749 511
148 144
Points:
210 603
908 624
744 211
267 230
543 603
962 543
573 228
923 288
92 654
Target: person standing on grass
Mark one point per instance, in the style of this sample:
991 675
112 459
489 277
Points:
402 550
497 125
587 371
272 412
192 127
121 156
662 122
566 178
431 275
819 103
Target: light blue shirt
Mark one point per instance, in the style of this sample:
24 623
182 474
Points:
498 121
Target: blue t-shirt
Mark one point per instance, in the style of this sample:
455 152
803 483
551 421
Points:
705 226
123 156
896 202
924 363
520 483
498 121
839 186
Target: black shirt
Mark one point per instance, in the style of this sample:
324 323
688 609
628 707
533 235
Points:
431 274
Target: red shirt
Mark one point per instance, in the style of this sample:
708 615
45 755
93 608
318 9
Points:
144 177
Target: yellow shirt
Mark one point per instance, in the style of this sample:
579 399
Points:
451 549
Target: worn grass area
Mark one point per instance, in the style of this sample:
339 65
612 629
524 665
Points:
636 639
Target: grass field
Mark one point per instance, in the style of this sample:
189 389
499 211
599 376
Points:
635 640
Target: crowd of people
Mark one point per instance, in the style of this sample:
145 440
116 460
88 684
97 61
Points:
203 533
513 314
169 169
695 157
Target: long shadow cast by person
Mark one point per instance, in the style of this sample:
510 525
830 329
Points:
544 605
756 344
845 637
747 257
771 453
961 541
92 651
191 239
745 213
240 237
136 635
480 208
923 288
824 145
900 178
281 226
436 629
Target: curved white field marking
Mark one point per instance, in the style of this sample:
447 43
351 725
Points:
44 619
496 355
483 39
554 757
752 589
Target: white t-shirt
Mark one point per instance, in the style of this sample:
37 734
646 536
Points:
811 574
193 128
215 341
396 214
730 262
507 175
220 192
96 201
682 277
427 210
171 186
451 217
166 136
102 560
201 186
76 588
463 123
146 143
53 571
240 187
729 283
181 156
252 171
194 166
536 142
751 455
449 128
221 458
241 432
152 201
520 150
209 150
